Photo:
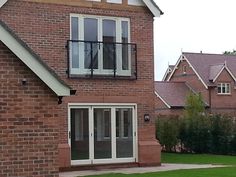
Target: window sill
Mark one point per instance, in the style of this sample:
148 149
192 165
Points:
224 94
77 76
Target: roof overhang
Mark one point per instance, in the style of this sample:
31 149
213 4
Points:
228 70
181 58
159 96
34 62
2 2
156 11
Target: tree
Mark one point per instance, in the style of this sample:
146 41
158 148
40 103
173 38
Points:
197 125
233 52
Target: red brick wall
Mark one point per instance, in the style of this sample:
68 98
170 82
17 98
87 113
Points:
224 103
191 78
45 28
28 121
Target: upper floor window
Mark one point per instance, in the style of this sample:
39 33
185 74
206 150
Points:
223 88
100 46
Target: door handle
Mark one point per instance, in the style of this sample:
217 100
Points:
69 135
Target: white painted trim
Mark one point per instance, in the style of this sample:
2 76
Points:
112 106
169 70
152 7
162 100
100 71
222 69
221 84
176 67
29 60
119 105
2 2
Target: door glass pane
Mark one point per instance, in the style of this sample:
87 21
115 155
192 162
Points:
79 134
91 49
109 48
125 46
124 133
102 133
74 44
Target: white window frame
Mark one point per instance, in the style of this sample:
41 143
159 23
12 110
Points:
221 85
121 126
113 107
100 71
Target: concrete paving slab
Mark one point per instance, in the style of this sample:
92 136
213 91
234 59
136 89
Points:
164 167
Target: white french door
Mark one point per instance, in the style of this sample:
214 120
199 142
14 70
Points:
100 134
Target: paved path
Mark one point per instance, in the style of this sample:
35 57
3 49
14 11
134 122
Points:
164 167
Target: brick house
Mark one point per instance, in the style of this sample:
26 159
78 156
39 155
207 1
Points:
76 85
211 75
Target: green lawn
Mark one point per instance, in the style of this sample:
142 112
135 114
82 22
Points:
198 159
191 159
216 172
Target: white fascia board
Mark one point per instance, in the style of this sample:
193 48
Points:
176 67
153 8
162 100
228 70
2 2
29 60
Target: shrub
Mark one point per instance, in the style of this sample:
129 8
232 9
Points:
167 132
196 131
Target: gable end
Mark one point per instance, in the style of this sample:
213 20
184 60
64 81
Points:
33 61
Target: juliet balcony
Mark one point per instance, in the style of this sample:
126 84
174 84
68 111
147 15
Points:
89 59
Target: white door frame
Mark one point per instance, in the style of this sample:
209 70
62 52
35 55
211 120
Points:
112 106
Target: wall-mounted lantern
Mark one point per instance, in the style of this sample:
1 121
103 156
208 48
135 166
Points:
146 117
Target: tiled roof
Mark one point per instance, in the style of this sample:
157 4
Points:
214 71
207 65
168 72
173 93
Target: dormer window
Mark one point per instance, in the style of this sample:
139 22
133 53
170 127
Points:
100 45
223 88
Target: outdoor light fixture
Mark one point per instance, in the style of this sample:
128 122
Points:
146 117
24 81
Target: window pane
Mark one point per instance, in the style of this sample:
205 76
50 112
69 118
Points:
109 48
125 47
223 88
124 138
74 45
219 88
227 88
102 133
74 28
91 49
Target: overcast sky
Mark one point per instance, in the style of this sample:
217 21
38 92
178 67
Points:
192 26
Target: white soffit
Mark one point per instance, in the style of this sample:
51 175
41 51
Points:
2 2
33 63
156 11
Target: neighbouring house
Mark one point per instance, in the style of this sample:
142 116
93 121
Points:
168 72
211 75
76 85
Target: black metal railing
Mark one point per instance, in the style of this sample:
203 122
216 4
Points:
102 59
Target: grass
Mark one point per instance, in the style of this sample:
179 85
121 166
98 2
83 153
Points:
190 159
198 159
215 172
